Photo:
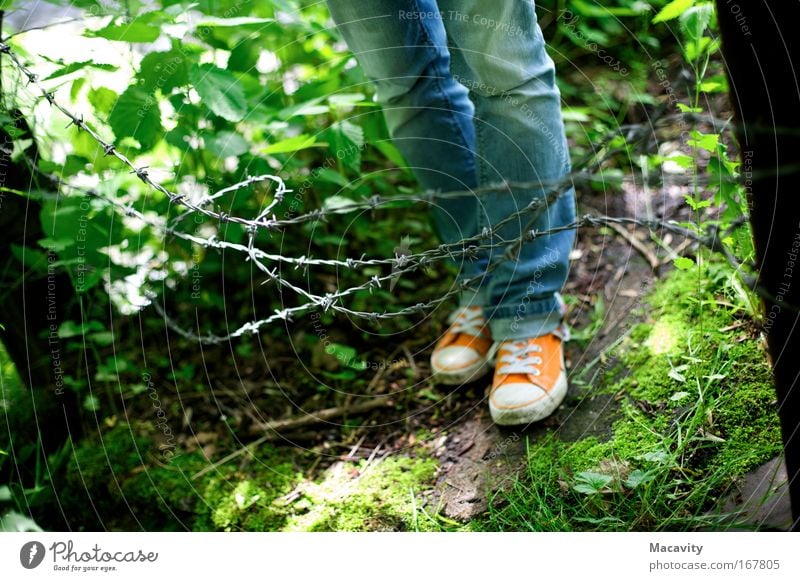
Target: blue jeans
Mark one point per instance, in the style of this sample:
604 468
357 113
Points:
469 96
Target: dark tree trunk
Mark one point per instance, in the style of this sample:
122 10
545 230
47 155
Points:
761 47
32 307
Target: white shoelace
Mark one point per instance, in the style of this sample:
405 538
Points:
519 358
472 322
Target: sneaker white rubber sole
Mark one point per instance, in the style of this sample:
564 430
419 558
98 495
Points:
534 412
468 374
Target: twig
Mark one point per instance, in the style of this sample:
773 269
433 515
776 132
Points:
651 258
324 415
411 361
284 425
356 447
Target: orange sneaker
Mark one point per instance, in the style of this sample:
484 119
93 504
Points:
462 354
530 380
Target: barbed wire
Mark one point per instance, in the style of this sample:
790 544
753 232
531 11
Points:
584 172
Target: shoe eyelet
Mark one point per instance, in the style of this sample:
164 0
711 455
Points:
536 372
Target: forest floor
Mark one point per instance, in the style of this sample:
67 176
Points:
670 421
670 406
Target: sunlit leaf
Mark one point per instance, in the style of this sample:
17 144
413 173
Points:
673 10
134 31
136 114
296 143
219 90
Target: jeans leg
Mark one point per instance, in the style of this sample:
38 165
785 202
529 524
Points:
402 47
498 53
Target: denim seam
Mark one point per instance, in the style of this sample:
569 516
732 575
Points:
480 163
438 80
532 309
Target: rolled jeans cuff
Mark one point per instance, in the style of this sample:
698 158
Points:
474 297
542 317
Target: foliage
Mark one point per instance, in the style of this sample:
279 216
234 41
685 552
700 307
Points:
206 94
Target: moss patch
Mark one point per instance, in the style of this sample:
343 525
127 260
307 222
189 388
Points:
114 481
698 411
355 497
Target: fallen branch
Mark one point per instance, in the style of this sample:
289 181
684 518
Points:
274 428
651 258
322 415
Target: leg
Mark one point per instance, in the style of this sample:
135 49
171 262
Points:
498 53
402 47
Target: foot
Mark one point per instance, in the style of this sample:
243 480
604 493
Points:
530 380
461 355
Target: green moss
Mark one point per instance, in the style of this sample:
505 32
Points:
698 412
166 496
250 500
91 491
119 480
357 497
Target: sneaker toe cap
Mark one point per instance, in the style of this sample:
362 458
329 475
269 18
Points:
513 396
454 357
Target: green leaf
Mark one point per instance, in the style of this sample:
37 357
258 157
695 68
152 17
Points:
584 489
91 403
659 457
695 49
334 177
346 140
712 87
601 11
707 141
69 329
579 114
56 245
391 152
347 100
695 20
242 22
681 159
346 355
136 114
244 56
103 338
133 31
219 90
308 108
225 144
683 108
31 259
76 87
79 234
295 143
673 10
591 482
335 202
73 67
102 99
164 71
637 478
697 204
683 263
